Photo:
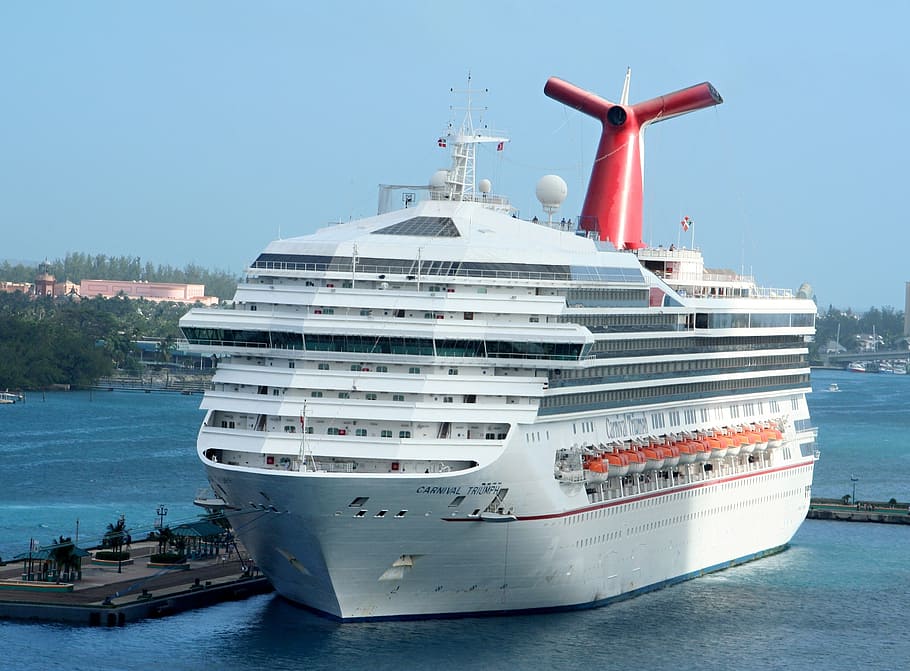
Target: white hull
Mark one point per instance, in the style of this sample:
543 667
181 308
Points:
320 553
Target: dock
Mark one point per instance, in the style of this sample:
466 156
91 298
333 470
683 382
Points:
115 595
863 511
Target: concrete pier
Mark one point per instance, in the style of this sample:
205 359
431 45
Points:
864 511
106 597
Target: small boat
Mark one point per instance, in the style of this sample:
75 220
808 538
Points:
688 451
596 469
9 397
654 457
833 387
618 463
636 461
857 367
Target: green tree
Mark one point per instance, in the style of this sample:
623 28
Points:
63 555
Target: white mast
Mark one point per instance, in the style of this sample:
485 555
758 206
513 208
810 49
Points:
460 180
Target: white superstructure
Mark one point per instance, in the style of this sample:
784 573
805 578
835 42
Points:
447 409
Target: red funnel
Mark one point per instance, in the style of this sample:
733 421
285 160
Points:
613 204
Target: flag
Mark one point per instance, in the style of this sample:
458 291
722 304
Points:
686 223
441 142
500 146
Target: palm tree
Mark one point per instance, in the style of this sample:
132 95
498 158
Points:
165 538
63 554
115 536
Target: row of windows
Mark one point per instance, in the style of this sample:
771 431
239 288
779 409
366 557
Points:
602 374
688 517
606 399
424 267
607 297
386 344
678 322
694 494
625 323
695 345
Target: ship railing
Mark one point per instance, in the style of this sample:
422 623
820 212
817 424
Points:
365 271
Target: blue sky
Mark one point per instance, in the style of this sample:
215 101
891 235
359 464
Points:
197 131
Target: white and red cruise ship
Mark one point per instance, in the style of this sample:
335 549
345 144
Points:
448 409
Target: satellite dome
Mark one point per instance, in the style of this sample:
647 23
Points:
551 192
438 180
805 291
485 186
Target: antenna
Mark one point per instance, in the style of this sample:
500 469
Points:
460 178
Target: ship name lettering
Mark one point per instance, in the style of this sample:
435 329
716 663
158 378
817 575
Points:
629 424
482 489
439 490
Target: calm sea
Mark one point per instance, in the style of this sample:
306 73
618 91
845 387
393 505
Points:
839 598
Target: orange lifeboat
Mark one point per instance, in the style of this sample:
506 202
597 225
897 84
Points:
688 451
773 437
750 438
735 446
596 469
702 449
761 441
654 457
672 455
619 463
776 439
636 461
718 445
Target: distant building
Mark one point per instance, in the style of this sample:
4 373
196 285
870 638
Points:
46 284
13 287
151 291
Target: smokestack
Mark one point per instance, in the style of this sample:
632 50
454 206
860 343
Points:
613 203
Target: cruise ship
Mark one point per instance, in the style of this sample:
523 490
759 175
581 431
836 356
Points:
447 409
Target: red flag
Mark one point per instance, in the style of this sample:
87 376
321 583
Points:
500 146
441 142
685 223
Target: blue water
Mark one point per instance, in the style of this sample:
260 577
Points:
839 598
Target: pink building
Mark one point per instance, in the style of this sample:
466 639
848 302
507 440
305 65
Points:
152 291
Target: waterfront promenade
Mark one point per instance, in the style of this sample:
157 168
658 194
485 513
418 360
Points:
106 596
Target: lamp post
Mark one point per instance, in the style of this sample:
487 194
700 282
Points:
854 479
161 512
121 525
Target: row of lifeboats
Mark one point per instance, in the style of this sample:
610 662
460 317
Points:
658 453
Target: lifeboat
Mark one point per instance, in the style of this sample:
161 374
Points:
750 438
718 446
672 455
702 449
596 469
735 446
619 463
773 436
761 441
688 451
636 461
654 457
